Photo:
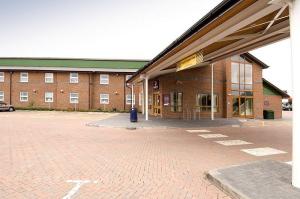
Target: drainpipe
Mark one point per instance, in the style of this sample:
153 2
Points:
212 92
132 105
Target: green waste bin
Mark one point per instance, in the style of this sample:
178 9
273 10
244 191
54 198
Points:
268 114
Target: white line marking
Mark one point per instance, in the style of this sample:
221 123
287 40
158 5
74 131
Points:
263 151
235 126
198 131
208 136
233 142
75 189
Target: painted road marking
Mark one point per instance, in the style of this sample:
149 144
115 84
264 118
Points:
208 136
75 189
263 151
235 126
233 142
198 131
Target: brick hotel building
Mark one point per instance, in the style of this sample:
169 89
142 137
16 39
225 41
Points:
85 84
67 84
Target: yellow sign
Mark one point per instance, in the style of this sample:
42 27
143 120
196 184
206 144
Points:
190 61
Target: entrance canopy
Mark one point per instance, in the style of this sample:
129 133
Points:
233 27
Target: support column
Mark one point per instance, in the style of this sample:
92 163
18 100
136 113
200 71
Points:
295 48
143 98
132 105
212 92
146 98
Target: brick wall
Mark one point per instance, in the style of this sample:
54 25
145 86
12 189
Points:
88 88
274 103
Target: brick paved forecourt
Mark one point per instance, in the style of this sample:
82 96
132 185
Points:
54 155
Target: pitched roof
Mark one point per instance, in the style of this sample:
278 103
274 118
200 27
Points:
72 63
255 59
274 88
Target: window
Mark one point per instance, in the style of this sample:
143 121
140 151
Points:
74 98
1 76
48 97
74 78
49 78
104 79
1 96
23 77
128 77
128 99
241 75
176 102
23 96
203 101
104 98
141 96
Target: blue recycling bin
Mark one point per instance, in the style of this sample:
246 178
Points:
133 115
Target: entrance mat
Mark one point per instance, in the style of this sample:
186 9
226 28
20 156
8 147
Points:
266 179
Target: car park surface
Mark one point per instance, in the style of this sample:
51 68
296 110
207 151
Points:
57 155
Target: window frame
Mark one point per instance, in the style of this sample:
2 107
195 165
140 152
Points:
49 78
23 96
24 79
2 76
207 106
105 81
2 96
128 101
104 98
174 102
72 98
74 80
52 97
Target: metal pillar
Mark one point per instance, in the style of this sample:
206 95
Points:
146 98
143 98
212 92
294 6
132 105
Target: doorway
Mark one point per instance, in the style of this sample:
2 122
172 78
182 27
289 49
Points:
156 104
242 107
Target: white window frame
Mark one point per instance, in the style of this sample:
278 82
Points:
24 79
128 99
104 98
74 78
24 94
74 99
1 96
2 76
104 79
49 78
49 95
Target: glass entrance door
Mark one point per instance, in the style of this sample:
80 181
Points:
156 104
242 107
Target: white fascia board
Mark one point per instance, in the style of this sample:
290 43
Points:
24 68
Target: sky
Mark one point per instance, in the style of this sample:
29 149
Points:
131 29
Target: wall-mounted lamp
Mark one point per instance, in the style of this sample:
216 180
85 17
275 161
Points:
116 93
61 91
34 91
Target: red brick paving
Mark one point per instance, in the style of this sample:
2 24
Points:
40 151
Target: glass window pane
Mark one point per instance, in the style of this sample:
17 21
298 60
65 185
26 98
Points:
235 87
235 58
248 87
242 73
248 74
235 93
249 106
179 103
234 73
208 100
